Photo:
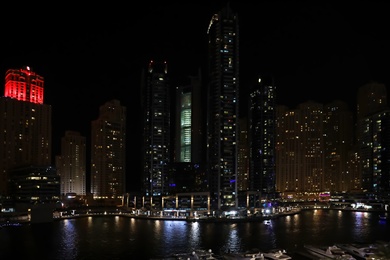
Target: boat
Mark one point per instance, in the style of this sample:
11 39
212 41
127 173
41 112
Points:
243 256
359 251
267 222
196 254
276 254
383 217
329 252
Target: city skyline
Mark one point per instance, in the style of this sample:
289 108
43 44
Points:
320 52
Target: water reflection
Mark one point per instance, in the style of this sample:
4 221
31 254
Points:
194 234
69 239
233 239
108 237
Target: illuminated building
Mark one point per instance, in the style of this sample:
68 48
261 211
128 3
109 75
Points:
223 108
373 136
243 157
25 123
262 138
157 133
188 168
71 164
35 184
24 85
338 142
300 149
108 151
189 126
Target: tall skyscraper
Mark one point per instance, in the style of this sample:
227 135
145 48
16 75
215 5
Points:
189 122
188 168
71 164
288 143
24 85
25 123
300 150
157 133
243 157
108 151
338 143
262 137
373 136
223 108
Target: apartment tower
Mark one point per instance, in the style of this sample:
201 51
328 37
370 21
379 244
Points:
108 151
373 136
71 164
188 171
262 108
223 108
157 133
25 123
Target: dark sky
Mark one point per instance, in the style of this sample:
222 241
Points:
88 54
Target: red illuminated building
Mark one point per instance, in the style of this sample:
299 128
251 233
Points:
24 85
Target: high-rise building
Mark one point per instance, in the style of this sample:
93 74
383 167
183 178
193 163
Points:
371 98
223 108
71 164
24 85
108 151
262 137
156 96
288 167
338 143
189 122
243 157
300 150
25 123
188 168
373 136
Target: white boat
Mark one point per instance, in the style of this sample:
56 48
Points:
276 254
243 256
197 254
359 251
329 252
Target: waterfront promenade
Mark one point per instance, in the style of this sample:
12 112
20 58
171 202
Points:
6 218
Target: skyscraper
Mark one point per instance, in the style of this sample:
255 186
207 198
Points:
24 85
188 171
108 151
157 133
300 149
189 122
338 143
262 137
25 123
372 136
223 108
71 164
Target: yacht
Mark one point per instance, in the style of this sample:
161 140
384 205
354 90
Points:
329 252
276 254
196 254
359 251
243 256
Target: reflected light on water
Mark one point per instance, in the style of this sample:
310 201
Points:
172 233
173 230
89 221
361 220
194 235
69 239
117 219
292 223
233 239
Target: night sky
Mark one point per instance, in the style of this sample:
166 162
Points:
89 54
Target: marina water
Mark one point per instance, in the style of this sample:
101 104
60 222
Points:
117 237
